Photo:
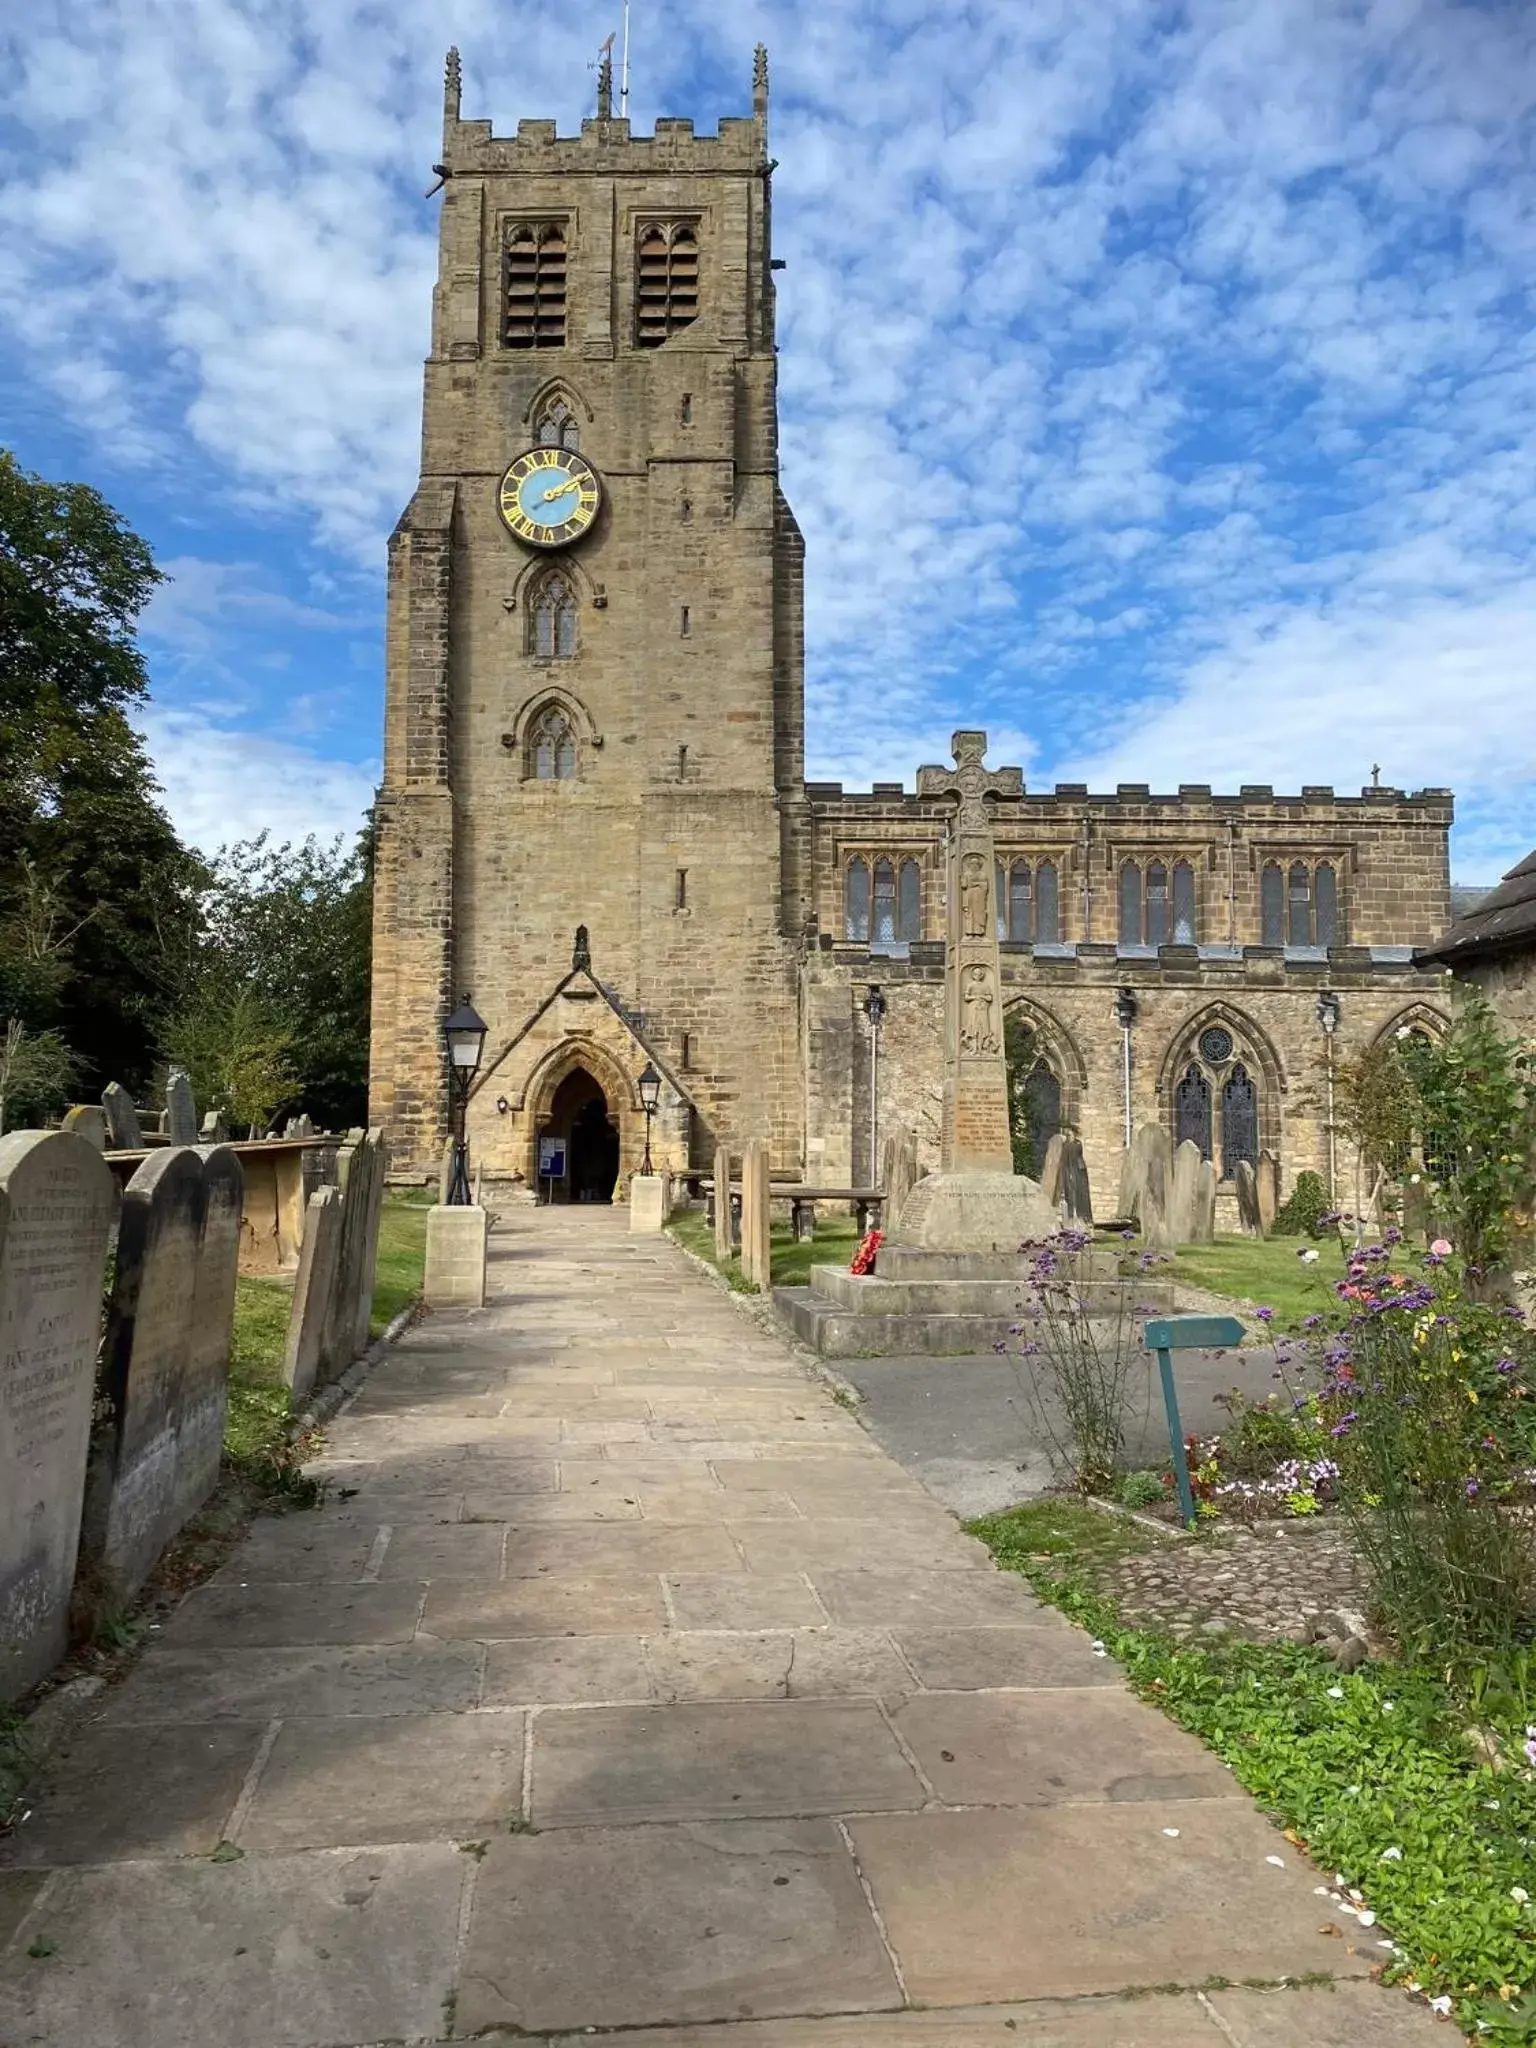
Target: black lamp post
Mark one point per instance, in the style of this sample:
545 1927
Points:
464 1037
649 1085
1329 1010
874 1010
1126 1008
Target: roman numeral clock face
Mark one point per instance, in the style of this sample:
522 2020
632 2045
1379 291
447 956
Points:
549 497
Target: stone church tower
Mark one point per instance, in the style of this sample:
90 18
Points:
595 691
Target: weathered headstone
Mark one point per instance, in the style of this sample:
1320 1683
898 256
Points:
903 1177
1149 1138
1203 1230
134 1494
360 1173
123 1131
1157 1198
444 1171
206 1394
180 1109
756 1217
363 1278
1267 1182
722 1179
57 1198
214 1130
1050 1170
1187 1162
1076 1196
1415 1207
1245 1186
88 1121
313 1289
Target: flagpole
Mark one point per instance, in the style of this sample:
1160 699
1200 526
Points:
624 68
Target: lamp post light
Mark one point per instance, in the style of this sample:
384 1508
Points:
1126 1010
464 1037
1329 1010
649 1085
874 1010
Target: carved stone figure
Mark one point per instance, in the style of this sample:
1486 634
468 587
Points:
978 1033
975 907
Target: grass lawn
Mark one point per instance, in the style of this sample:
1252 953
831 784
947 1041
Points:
1267 1272
1415 1797
833 1245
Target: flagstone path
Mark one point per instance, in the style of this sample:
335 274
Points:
625 1683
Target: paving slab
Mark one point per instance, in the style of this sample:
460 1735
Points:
979 1659
701 1761
1042 1747
118 1792
650 1926
817 1663
296 1548
1048 1902
489 1503
386 1678
742 1600
392 1778
273 1616
620 1605
18 1895
706 1500
1167 2021
566 1671
886 1599
459 1551
1350 2015
808 1545
646 1547
306 1951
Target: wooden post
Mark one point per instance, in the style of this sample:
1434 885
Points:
724 1244
756 1265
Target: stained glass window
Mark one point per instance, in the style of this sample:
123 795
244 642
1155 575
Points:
1299 928
884 931
1157 904
1239 1121
1192 1109
1047 906
911 901
1183 903
856 902
1019 902
1325 889
1130 904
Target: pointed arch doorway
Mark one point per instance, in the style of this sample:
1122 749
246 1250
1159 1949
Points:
579 1114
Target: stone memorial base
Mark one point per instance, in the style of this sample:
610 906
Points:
956 1285
456 1241
650 1202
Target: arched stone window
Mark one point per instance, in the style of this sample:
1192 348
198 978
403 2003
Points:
1157 904
1020 904
1130 904
1183 904
1047 905
856 902
551 746
557 425
1034 1095
883 930
1299 897
910 906
1239 1120
533 285
551 617
667 281
1272 906
1192 1109
1214 1086
1325 901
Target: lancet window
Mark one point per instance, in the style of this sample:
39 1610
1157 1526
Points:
551 746
1216 1101
551 617
856 901
558 426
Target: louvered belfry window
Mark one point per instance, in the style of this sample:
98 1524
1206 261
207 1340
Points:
666 282
533 298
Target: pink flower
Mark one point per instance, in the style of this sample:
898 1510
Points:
1441 1248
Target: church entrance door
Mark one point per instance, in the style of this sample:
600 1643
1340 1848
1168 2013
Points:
579 1114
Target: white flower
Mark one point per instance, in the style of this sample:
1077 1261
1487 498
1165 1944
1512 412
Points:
1392 1855
1309 1257
1335 1692
1519 1894
1387 1706
1442 2004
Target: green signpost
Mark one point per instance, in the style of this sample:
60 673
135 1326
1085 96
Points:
1165 1335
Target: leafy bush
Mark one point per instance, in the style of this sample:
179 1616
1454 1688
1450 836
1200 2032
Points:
1301 1214
1142 1490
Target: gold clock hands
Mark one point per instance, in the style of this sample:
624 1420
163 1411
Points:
559 490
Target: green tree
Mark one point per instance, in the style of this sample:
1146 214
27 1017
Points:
1477 1117
84 842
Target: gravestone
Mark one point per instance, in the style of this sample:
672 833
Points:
88 1121
360 1168
1203 1229
313 1289
1187 1162
1416 1208
902 1178
756 1216
722 1178
180 1109
214 1130
123 1133
206 1394
1267 1182
1076 1195
1148 1138
1050 1171
363 1279
1245 1186
1156 1201
134 1491
57 1198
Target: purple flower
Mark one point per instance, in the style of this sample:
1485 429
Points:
1341 1427
1265 1315
1472 1489
1505 1365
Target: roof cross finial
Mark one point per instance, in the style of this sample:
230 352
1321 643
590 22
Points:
605 80
1375 775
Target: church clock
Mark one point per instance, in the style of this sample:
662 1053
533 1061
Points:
549 497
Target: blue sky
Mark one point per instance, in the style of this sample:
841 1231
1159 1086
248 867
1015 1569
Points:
1157 380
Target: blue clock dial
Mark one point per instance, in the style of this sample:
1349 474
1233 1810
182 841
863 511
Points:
549 497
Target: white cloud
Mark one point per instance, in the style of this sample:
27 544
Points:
223 783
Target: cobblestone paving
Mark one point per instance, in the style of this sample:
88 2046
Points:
1260 1583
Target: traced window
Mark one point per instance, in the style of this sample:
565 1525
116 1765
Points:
1192 1109
551 614
1239 1121
1272 907
1020 902
558 426
667 281
1183 904
884 929
1130 904
856 902
533 285
551 746
1299 927
1034 1096
1325 897
911 901
1000 900
1047 905
1157 904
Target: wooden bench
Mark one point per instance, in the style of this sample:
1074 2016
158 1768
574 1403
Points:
867 1203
